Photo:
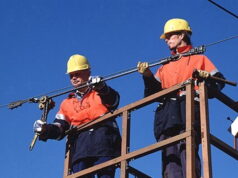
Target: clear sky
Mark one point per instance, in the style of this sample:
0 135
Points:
38 37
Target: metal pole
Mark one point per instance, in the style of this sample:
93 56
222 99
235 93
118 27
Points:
193 51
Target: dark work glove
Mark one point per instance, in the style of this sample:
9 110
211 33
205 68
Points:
214 86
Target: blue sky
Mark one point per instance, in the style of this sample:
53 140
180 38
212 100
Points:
37 38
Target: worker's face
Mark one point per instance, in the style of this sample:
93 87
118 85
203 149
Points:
174 40
79 77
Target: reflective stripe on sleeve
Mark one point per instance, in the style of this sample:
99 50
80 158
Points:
60 117
157 78
213 72
116 102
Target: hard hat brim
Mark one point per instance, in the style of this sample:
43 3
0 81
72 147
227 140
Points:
78 69
162 36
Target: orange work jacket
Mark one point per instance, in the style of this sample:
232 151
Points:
181 70
79 111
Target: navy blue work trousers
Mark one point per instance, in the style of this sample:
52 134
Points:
174 160
84 163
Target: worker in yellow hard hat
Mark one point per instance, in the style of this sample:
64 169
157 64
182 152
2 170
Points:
78 65
97 144
170 115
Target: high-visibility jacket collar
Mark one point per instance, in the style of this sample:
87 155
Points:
78 94
181 49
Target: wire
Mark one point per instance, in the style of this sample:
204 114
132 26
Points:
229 12
226 39
3 105
38 96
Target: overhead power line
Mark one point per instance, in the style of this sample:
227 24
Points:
229 12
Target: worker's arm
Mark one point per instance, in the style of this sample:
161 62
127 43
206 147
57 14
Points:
110 98
151 84
56 130
214 85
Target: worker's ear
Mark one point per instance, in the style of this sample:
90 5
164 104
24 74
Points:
182 35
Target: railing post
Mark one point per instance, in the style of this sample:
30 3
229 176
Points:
125 145
190 143
205 131
67 159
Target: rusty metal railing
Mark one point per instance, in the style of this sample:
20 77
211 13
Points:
125 113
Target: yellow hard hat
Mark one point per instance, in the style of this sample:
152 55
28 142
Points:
174 25
77 62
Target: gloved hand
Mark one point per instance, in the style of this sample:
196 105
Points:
143 68
203 74
96 83
38 126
